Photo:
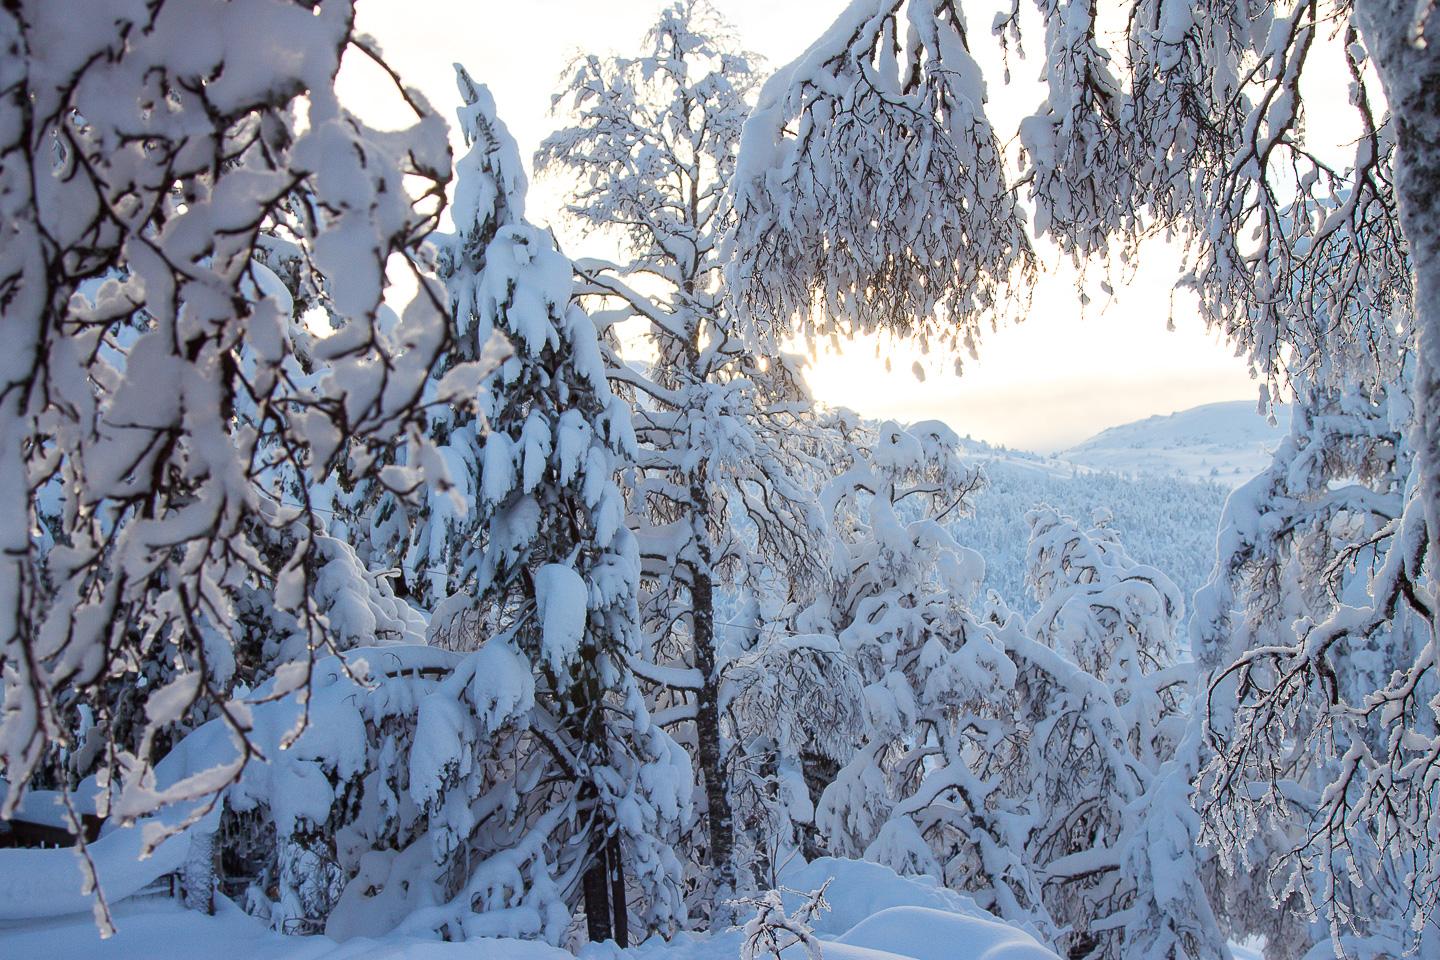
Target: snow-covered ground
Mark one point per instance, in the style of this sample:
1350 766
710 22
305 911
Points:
874 915
161 929
1224 442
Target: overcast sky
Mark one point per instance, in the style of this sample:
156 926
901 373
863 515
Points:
1051 381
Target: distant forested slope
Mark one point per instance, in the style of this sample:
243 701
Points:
1168 522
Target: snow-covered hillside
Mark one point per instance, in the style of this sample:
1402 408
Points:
1224 442
1165 521
1163 480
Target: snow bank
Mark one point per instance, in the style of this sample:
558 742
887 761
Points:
162 930
859 890
920 933
875 915
49 883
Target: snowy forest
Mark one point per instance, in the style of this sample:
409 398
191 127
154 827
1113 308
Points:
383 577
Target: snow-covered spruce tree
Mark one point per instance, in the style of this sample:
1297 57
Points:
143 170
579 797
427 538
1320 582
285 829
1187 120
652 148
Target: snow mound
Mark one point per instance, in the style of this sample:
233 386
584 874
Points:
876 914
860 889
50 882
920 933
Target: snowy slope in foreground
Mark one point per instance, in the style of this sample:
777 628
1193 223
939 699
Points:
875 915
1224 442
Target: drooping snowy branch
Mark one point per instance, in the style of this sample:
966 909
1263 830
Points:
163 403
1318 625
870 191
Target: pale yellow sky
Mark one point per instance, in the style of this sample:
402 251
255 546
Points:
1044 384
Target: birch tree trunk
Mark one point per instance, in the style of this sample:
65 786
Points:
1403 37
197 873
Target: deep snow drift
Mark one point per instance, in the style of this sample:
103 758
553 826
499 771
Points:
874 915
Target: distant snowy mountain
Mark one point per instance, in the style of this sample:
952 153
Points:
1226 443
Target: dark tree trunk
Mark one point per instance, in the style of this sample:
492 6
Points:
819 772
720 819
586 699
617 893
596 884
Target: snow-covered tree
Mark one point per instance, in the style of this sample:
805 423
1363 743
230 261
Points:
1035 766
652 148
1324 738
1321 264
586 794
796 709
1183 118
1113 618
1107 781
142 171
907 796
427 537
505 776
